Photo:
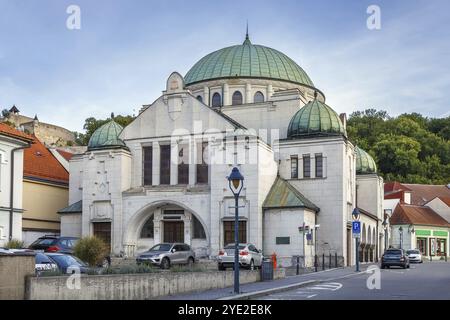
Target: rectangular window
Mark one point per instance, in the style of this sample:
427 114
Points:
319 165
283 240
202 165
306 166
164 171
148 165
294 167
228 232
183 164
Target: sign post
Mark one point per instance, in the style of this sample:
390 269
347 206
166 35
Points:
356 231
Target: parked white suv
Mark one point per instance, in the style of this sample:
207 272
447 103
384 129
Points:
249 256
414 255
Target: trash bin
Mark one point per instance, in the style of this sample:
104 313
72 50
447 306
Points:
267 270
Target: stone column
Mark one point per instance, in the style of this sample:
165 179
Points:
226 95
269 91
187 227
206 96
156 163
173 163
192 162
248 93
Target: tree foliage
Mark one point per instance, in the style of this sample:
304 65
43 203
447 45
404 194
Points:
91 124
408 148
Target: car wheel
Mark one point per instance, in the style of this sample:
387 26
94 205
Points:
165 263
404 266
252 265
408 265
221 267
190 262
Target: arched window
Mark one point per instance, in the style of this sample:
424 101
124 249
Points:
147 229
259 97
199 98
198 231
237 98
216 100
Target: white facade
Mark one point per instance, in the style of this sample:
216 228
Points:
7 144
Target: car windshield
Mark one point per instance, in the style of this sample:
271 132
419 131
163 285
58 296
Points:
231 246
412 252
42 258
44 242
161 247
67 261
396 252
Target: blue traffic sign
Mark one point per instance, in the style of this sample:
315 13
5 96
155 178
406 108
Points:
356 227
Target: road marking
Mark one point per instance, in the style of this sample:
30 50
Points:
311 296
332 286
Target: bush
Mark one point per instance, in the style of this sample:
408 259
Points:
130 269
15 244
186 268
91 250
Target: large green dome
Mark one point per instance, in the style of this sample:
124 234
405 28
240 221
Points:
364 162
107 136
247 61
315 118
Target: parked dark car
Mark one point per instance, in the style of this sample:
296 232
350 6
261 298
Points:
55 244
44 263
67 263
395 257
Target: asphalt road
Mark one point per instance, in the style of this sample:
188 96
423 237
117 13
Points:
430 280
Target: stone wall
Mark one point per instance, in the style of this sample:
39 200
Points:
13 270
135 286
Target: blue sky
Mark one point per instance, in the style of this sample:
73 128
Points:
126 49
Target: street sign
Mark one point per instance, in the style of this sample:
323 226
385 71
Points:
309 236
356 227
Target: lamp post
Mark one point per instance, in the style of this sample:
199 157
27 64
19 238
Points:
385 227
236 182
400 230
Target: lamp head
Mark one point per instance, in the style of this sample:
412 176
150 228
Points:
356 214
236 178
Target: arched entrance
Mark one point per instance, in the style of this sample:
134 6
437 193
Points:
165 221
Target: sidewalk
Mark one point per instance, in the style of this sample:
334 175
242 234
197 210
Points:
272 286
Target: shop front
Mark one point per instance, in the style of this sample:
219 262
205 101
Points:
432 243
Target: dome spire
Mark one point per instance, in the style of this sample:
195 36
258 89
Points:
247 38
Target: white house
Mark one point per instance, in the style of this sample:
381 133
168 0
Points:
163 177
12 143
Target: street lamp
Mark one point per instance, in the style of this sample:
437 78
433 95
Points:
400 230
236 182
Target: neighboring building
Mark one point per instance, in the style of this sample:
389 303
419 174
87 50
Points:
421 217
49 134
163 177
12 143
45 190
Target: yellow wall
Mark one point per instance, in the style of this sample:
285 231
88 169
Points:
42 201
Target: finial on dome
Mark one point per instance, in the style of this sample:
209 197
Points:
247 38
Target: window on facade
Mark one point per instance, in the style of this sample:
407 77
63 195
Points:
306 166
148 165
183 164
237 98
202 166
259 97
198 231
216 100
164 171
228 232
294 168
319 165
199 98
147 229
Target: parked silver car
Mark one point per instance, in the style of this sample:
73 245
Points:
166 254
249 256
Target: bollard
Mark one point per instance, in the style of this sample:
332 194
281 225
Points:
329 261
298 265
315 262
335 259
323 261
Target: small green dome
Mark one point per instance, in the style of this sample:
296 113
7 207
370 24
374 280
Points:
315 118
107 136
364 162
247 61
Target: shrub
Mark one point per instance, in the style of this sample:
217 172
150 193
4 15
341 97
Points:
91 250
132 269
186 268
15 244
